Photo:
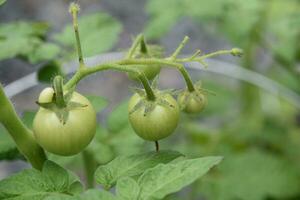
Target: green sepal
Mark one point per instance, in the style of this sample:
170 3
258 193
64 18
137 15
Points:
49 106
69 94
73 105
137 107
62 115
149 107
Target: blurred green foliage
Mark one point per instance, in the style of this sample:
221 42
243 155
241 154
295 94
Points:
261 148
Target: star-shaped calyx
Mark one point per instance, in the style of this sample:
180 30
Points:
148 105
61 102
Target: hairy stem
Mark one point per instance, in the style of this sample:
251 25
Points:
134 45
179 48
58 89
22 136
74 9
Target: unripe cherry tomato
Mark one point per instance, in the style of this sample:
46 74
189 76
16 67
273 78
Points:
69 138
158 123
150 71
192 102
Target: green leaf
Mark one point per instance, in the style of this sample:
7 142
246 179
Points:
2 2
99 103
57 175
76 188
49 71
253 175
99 32
127 189
44 52
52 182
123 166
95 194
165 179
21 38
8 149
118 118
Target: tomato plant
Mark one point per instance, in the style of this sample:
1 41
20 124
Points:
66 124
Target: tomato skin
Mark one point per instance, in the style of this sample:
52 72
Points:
150 71
157 124
69 138
195 103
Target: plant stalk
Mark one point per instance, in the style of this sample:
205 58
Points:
22 136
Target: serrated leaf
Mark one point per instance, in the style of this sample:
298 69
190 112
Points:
99 32
99 103
118 118
127 189
108 174
165 179
57 176
75 188
52 182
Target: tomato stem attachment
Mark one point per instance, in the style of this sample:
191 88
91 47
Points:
156 146
74 9
58 91
22 136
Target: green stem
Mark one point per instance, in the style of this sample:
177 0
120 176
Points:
84 72
90 167
134 45
144 48
179 48
58 90
150 61
22 136
148 89
213 54
74 9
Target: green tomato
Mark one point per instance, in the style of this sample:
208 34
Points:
150 71
158 123
69 138
192 102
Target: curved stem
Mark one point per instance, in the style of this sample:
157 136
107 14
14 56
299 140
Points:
22 136
148 89
150 61
84 72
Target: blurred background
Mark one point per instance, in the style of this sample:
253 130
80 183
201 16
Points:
254 121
